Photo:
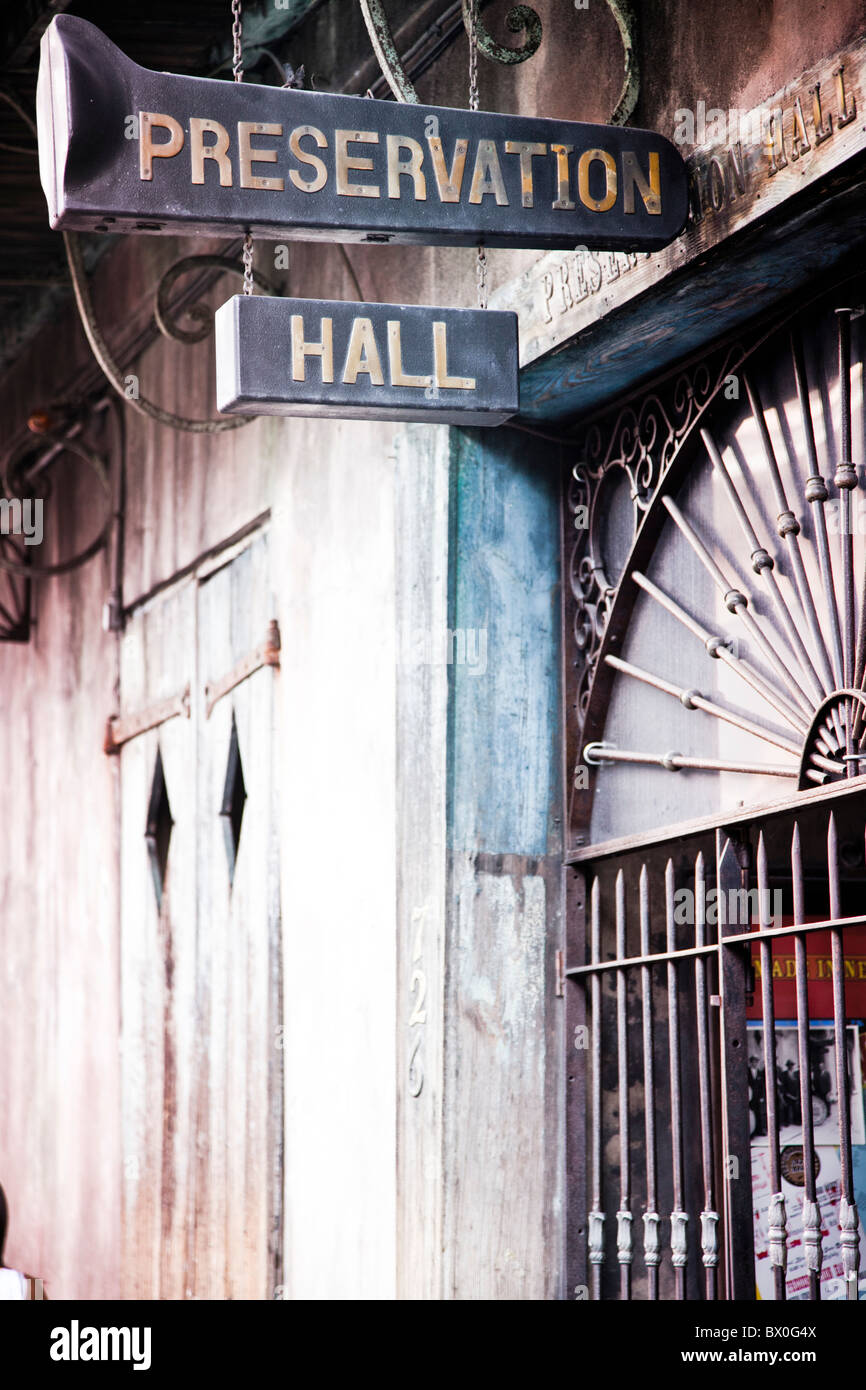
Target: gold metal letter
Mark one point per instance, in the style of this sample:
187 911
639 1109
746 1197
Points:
363 340
526 151
395 360
650 192
448 185
586 159
199 151
345 162
440 364
302 350
320 178
563 182
487 176
247 156
410 166
147 150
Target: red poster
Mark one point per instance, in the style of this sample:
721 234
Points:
818 972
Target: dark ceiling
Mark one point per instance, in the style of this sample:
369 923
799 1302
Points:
185 36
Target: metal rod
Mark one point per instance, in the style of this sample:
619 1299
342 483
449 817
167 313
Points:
848 1220
816 494
684 952
692 699
789 529
811 1213
594 753
651 1246
821 682
709 1215
716 648
624 1249
778 1238
846 479
736 602
596 1215
679 1218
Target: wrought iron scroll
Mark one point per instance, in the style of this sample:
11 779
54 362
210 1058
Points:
520 19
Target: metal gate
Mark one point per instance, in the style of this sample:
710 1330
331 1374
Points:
694 1104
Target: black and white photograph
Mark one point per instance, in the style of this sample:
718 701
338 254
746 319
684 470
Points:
823 1090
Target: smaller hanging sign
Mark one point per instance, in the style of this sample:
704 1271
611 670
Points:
365 361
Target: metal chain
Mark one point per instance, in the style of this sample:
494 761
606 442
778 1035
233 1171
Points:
238 70
481 262
237 41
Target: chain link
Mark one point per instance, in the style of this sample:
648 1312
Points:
481 262
237 41
248 264
238 70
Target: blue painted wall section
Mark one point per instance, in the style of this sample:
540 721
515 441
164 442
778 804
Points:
503 737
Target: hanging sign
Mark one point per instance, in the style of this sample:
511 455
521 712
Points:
123 149
365 361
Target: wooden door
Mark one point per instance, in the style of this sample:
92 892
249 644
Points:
201 1031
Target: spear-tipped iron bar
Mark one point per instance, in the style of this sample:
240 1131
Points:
811 1213
848 1220
679 1218
624 1247
776 1214
709 1215
596 1214
652 1251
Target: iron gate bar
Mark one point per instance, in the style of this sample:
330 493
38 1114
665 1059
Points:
712 948
812 1248
776 1217
651 1245
679 1216
848 1218
624 1250
732 872
596 1214
627 844
709 1216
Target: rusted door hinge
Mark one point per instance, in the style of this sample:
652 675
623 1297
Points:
266 654
559 958
119 731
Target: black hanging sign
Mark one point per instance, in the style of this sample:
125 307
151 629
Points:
365 361
124 149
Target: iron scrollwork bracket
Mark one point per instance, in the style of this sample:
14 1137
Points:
520 19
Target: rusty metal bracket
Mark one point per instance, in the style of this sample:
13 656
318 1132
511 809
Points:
267 653
119 731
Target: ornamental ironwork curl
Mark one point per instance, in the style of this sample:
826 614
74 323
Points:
642 438
520 19
165 316
28 568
